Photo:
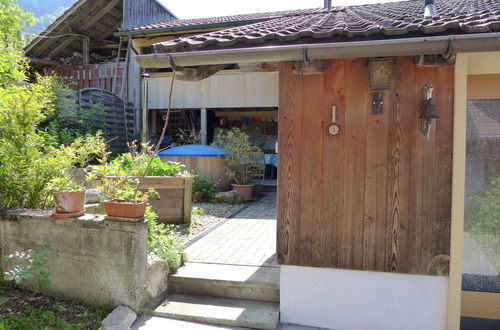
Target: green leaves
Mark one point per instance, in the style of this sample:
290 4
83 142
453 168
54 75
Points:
239 154
12 61
134 164
161 244
208 188
63 184
29 266
483 212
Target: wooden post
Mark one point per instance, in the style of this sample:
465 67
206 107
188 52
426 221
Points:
458 193
85 51
188 200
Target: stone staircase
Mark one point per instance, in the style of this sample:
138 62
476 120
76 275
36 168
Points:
231 295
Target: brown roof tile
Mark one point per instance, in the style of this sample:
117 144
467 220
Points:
375 20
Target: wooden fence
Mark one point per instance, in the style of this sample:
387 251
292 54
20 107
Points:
118 124
92 76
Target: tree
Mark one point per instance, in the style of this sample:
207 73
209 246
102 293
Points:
12 60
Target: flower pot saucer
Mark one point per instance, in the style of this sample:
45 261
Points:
67 215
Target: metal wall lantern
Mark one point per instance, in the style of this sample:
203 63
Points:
380 70
428 111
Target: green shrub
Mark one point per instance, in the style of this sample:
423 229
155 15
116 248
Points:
483 212
12 60
135 163
28 162
239 153
208 188
161 244
29 266
63 183
68 120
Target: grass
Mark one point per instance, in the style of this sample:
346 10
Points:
27 311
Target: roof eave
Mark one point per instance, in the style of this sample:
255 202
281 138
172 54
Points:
54 25
481 42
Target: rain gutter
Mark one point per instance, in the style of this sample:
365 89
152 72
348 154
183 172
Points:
480 42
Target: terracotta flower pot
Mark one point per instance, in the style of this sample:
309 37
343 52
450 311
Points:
125 209
69 202
244 190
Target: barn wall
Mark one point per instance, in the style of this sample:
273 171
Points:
144 12
376 197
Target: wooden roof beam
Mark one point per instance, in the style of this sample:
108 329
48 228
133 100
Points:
62 45
100 14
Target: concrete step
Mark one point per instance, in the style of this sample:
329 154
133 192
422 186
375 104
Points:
228 281
221 311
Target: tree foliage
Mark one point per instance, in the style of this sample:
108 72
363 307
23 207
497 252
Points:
12 61
28 162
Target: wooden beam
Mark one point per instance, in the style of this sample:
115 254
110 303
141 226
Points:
62 45
434 60
271 113
42 61
85 51
196 73
100 14
88 24
258 67
484 305
311 67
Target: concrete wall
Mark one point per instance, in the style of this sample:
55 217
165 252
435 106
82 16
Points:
362 300
99 261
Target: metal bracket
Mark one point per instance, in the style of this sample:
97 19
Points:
378 103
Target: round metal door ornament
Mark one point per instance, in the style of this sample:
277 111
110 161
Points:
334 130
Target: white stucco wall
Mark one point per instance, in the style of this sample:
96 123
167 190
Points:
361 300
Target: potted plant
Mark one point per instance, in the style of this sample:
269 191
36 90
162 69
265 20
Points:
169 179
242 160
122 198
69 198
203 189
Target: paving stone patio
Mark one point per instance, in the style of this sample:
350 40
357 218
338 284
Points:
247 239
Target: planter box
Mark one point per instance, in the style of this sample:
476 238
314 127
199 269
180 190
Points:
175 202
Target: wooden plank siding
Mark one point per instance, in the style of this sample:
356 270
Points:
91 76
378 195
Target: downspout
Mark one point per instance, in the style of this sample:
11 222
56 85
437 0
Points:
144 107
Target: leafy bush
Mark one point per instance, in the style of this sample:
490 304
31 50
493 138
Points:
208 188
483 212
63 183
239 153
12 41
161 244
29 267
28 162
121 187
68 120
135 163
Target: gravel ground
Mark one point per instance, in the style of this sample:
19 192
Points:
211 214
